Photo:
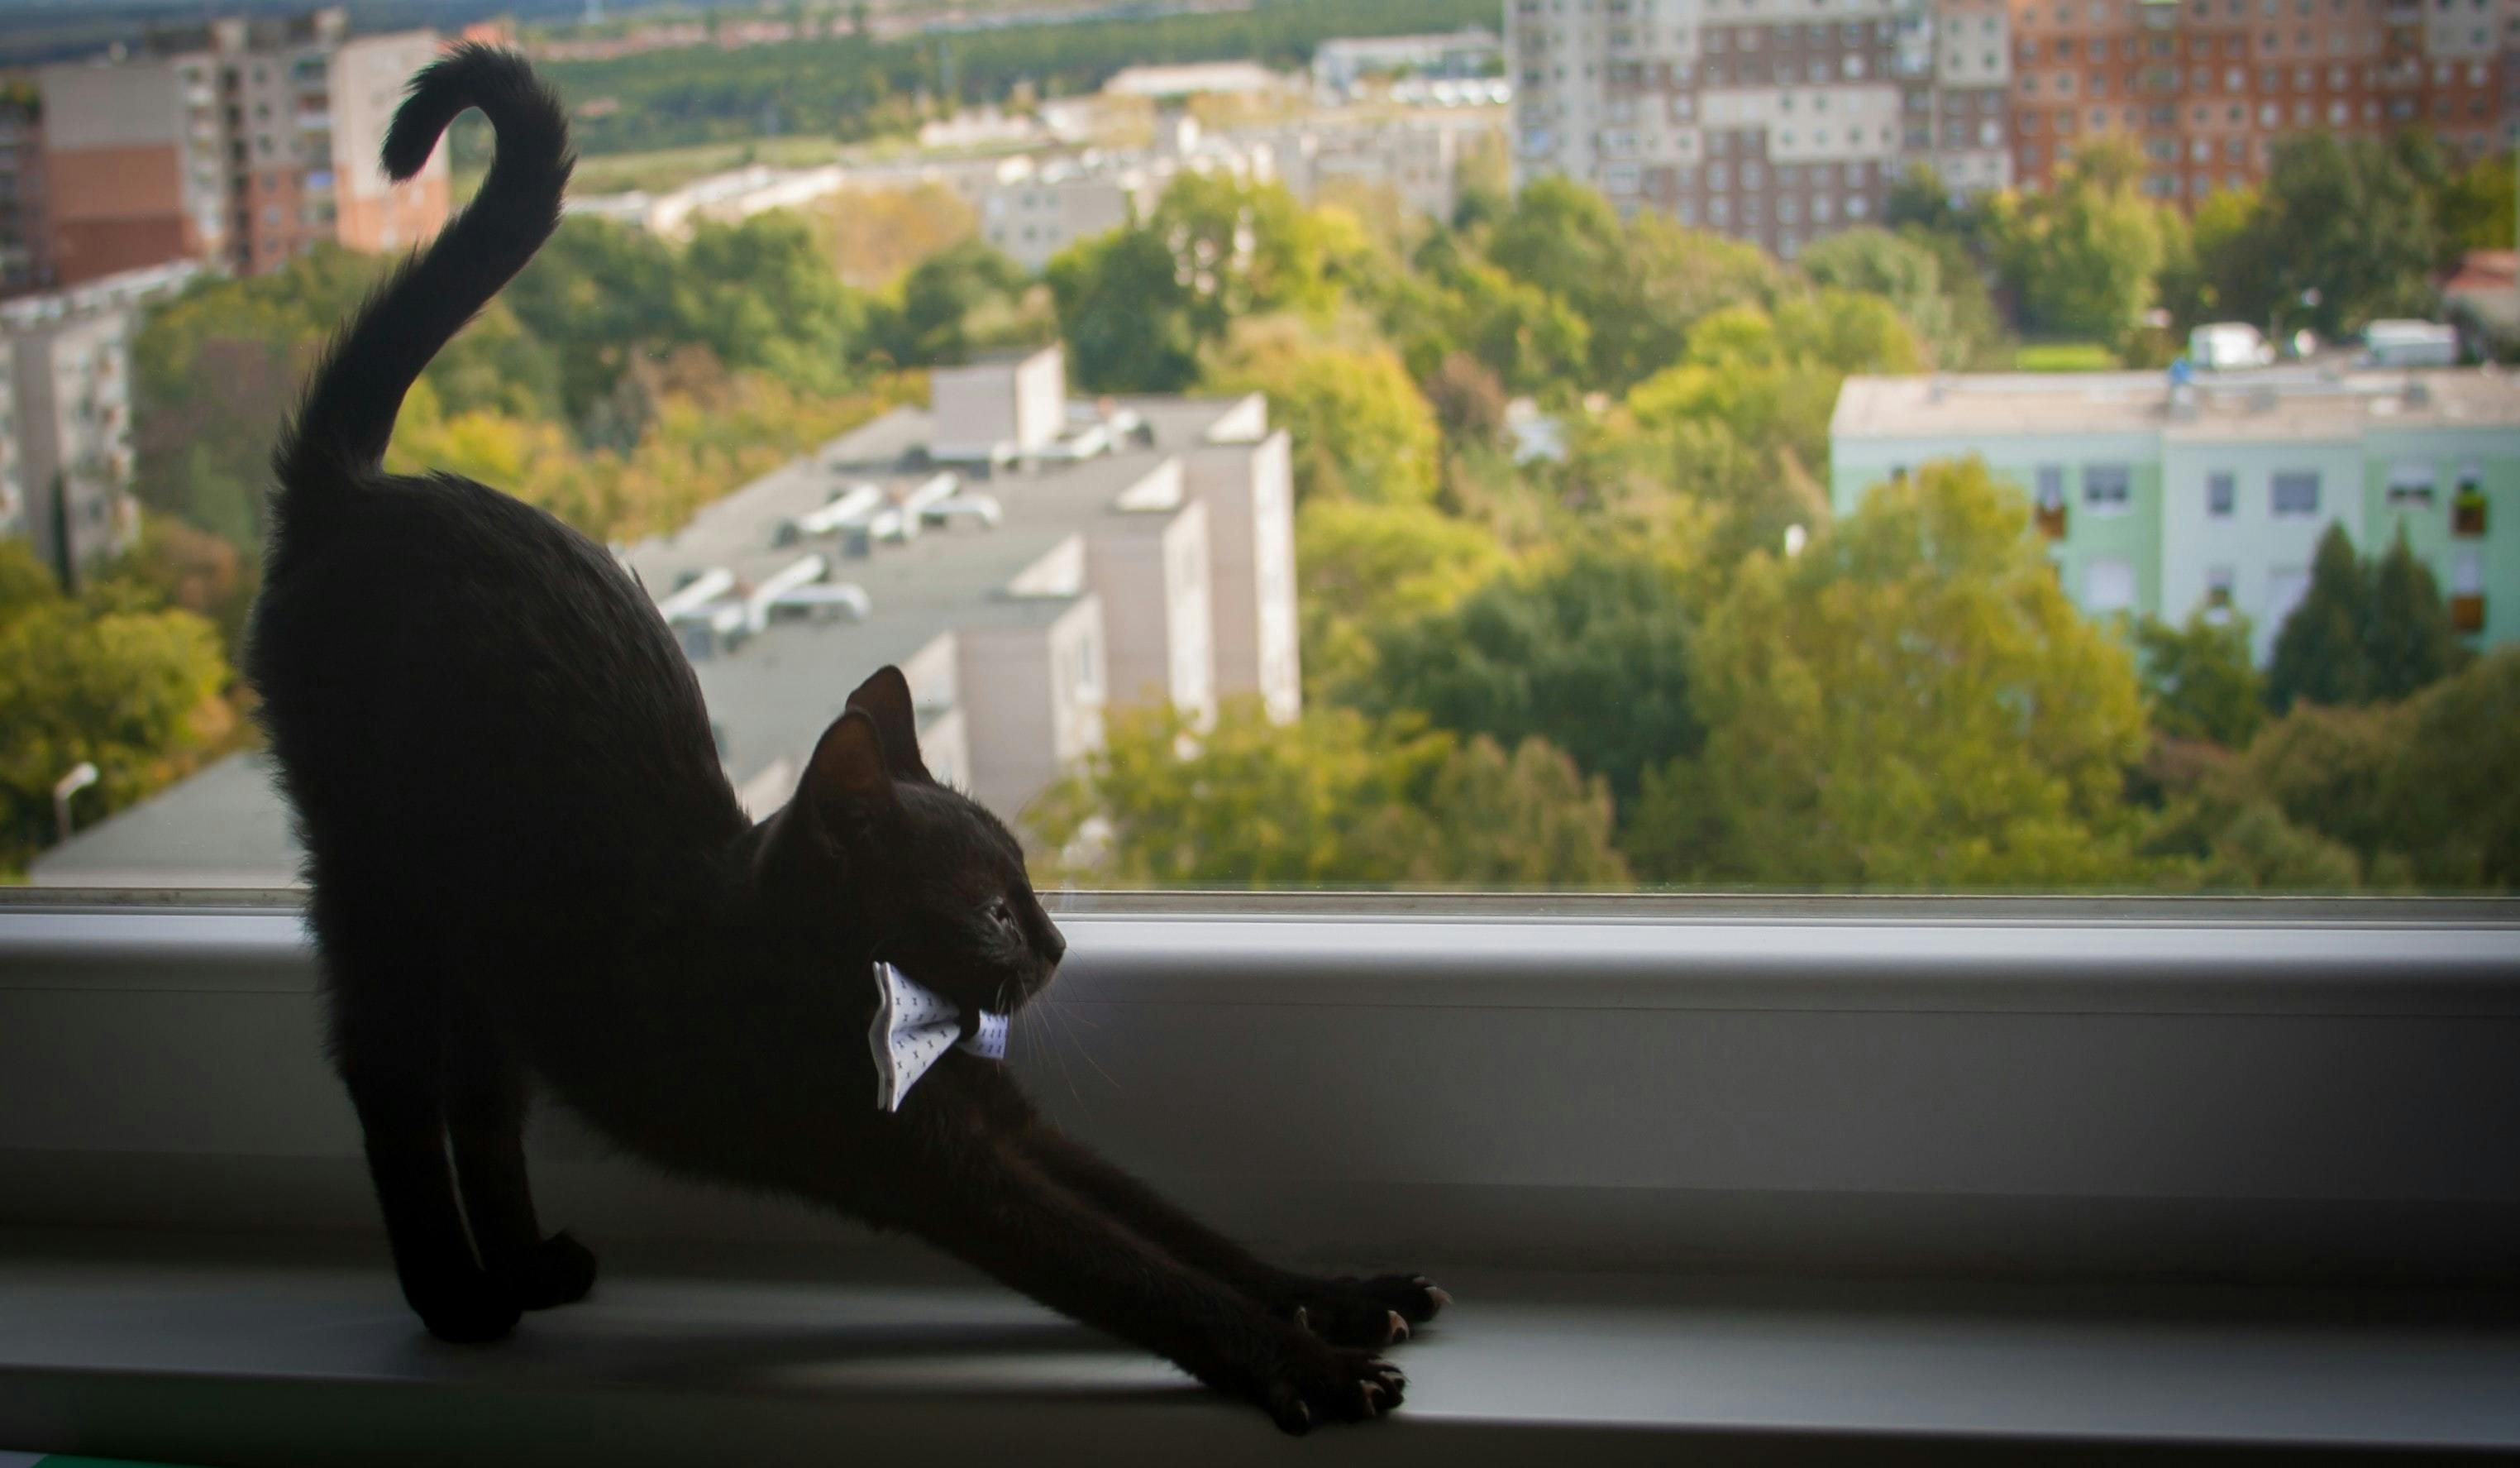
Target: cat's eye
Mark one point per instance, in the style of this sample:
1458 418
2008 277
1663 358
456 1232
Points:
1002 914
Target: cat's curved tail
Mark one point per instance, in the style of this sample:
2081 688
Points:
341 432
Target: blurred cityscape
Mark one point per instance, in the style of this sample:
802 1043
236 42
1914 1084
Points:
1581 444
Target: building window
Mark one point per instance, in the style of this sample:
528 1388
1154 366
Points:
2050 499
2221 495
2108 488
2296 493
2467 507
2220 584
2411 485
2467 590
2108 584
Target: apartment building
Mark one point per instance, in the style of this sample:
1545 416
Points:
135 162
1343 65
1419 158
2207 88
26 242
1033 217
66 461
1775 123
247 141
1027 560
69 435
2164 499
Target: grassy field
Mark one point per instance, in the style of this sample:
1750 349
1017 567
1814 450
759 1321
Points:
2065 356
672 168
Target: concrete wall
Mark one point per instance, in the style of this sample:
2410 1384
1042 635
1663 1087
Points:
1042 672
1249 495
73 420
994 404
1149 568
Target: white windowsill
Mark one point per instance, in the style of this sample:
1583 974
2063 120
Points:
1747 1119
203 1358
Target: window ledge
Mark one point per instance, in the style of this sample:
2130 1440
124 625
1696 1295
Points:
186 1357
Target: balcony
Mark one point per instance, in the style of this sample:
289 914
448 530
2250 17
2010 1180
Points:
2467 612
2467 515
2052 520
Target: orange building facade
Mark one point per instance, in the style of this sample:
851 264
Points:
2206 88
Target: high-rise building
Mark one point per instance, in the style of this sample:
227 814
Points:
26 243
132 160
70 377
2206 88
65 458
1772 123
247 142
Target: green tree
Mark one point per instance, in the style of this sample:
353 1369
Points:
214 369
761 295
1333 800
2202 681
2323 650
1370 566
2408 643
2082 256
1468 402
2352 220
2452 794
1124 315
1528 820
1947 310
108 678
1545 654
1910 703
2477 206
1360 427
1639 288
966 296
600 292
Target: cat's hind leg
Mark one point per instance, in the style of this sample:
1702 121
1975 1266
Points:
485 1116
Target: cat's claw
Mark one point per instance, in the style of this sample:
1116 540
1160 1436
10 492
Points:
1399 1327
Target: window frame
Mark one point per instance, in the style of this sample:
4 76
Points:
2003 1084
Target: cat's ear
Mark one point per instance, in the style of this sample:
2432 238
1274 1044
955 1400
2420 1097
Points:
886 699
847 783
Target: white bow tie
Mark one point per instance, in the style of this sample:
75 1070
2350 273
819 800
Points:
914 1025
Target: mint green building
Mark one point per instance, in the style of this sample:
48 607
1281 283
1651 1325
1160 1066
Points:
2213 495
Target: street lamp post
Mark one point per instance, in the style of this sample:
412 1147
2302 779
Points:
82 775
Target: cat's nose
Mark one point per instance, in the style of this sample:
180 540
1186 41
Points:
1058 947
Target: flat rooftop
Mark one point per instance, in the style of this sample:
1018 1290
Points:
770 698
2272 404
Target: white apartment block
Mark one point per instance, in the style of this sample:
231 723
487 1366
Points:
1418 159
1341 64
66 460
1773 122
1142 550
1033 219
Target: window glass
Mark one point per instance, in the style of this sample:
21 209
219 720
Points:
1473 471
2107 488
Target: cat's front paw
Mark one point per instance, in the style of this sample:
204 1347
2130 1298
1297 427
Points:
1370 1313
1313 1383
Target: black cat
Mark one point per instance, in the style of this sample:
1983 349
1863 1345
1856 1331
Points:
528 862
